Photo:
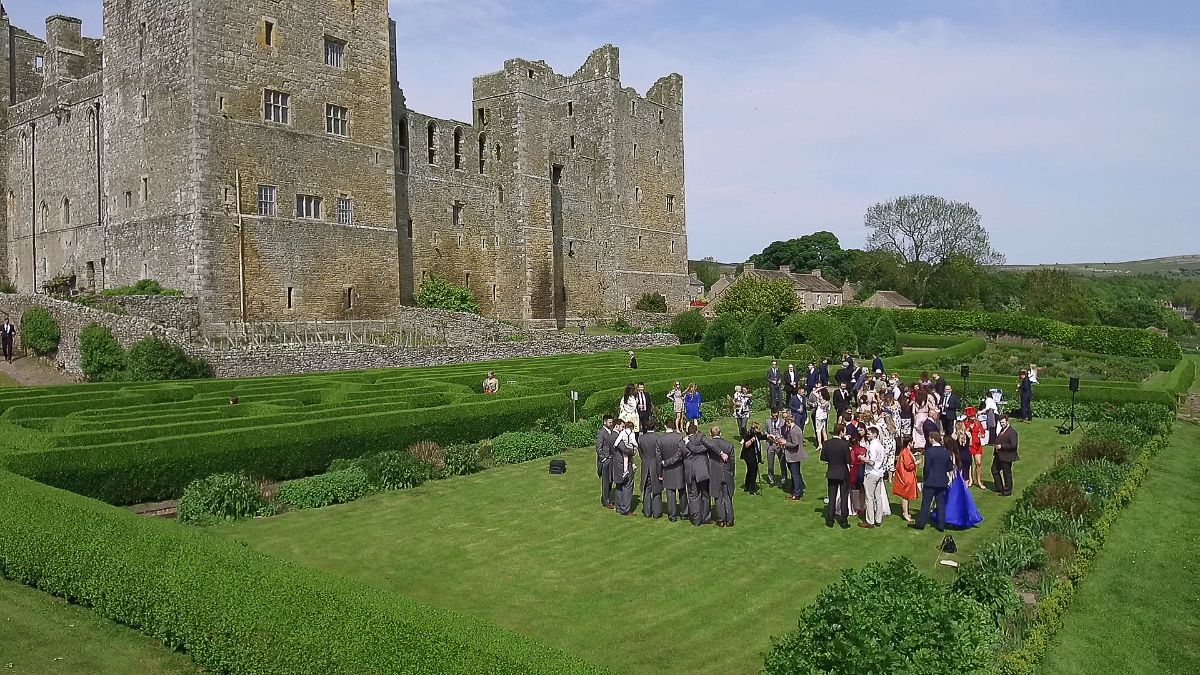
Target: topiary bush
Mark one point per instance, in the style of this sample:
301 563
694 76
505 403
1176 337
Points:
651 302
883 339
724 337
749 296
437 293
463 459
335 487
39 331
222 497
801 355
827 335
395 470
101 357
763 338
153 358
514 447
852 627
688 326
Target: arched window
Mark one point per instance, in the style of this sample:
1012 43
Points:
431 140
458 147
66 211
10 207
91 119
43 214
482 152
402 143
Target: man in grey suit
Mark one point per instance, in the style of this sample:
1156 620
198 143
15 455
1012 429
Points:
774 432
672 451
695 471
793 452
604 446
622 456
720 471
652 476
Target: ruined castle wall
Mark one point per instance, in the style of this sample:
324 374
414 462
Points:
334 270
26 52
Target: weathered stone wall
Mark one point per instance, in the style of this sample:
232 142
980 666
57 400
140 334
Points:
171 311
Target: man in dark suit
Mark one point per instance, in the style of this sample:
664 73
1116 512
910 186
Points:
950 404
720 472
843 399
695 472
632 361
645 407
8 332
876 364
812 378
939 384
938 467
823 371
775 386
791 381
1004 454
652 478
836 453
604 447
1025 388
671 450
845 375
623 468
793 452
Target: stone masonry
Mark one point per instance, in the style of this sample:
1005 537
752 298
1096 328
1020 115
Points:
261 157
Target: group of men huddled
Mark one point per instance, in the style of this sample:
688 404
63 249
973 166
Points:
689 470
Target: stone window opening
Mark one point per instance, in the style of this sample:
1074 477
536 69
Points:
145 196
458 135
11 206
627 302
276 106
402 143
267 200
662 117
637 194
431 141
456 214
572 141
530 73
91 118
39 63
142 39
128 199
337 120
90 277
500 194
633 107
496 152
268 28
345 210
482 114
495 294
670 204
634 153
44 214
671 248
308 207
570 108
349 297
639 242
66 211
435 238
482 153
466 279
335 52
571 249
424 275
144 107
482 243
410 228
290 291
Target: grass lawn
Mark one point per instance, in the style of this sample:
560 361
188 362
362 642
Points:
1137 610
43 634
536 553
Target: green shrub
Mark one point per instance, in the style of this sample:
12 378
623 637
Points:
463 458
514 447
1092 448
143 287
1033 524
688 326
827 335
153 358
854 627
993 591
801 355
437 293
221 497
39 331
100 355
579 434
748 297
395 470
1062 495
1011 553
724 337
883 339
651 302
1096 477
6 286
763 338
335 487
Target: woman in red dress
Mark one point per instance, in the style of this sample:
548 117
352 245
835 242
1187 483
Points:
905 484
975 432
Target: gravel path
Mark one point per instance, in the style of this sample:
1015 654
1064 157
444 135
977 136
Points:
28 371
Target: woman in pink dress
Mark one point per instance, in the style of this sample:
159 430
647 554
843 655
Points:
920 414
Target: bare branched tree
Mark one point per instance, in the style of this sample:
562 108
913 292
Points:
925 231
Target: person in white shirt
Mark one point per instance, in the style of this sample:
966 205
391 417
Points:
873 486
624 448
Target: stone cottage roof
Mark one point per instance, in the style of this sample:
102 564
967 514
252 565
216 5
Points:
895 299
811 283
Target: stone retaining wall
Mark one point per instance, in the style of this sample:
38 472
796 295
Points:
180 312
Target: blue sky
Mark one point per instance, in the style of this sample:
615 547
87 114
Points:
1074 127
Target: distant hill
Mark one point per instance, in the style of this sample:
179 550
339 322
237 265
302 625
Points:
1180 265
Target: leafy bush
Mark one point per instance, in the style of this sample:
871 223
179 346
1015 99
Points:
1011 553
514 447
39 331
143 287
827 335
430 453
100 355
651 302
437 293
724 337
883 339
688 326
763 338
395 470
852 627
1034 524
1105 448
463 458
749 297
7 286
1097 477
1062 495
335 487
993 591
579 434
153 358
801 355
221 497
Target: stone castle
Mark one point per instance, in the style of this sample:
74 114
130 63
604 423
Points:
261 157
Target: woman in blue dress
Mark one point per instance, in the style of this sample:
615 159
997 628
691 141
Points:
691 403
960 505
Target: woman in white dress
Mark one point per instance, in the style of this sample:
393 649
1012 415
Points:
628 411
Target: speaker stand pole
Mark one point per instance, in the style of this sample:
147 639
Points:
1069 424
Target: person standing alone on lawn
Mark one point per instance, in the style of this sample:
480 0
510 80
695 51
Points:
1025 387
7 333
605 436
1005 453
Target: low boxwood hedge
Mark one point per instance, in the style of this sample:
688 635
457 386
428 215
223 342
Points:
235 610
324 489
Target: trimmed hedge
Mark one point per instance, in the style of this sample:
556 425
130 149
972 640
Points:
964 349
1101 339
1180 379
233 609
40 331
514 447
101 357
335 487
